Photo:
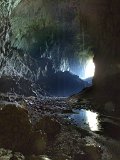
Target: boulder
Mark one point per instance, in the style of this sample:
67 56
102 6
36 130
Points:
49 125
38 142
33 157
8 155
109 107
15 128
93 152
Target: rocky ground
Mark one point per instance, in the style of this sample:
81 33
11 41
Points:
39 129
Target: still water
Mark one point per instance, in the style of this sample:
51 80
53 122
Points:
93 121
86 119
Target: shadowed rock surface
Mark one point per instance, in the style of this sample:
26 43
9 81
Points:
63 84
16 131
40 41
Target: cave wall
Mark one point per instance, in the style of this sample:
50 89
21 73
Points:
54 29
98 18
103 24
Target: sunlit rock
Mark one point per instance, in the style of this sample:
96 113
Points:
41 157
8 155
5 154
17 156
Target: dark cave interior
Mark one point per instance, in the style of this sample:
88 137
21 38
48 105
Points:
59 79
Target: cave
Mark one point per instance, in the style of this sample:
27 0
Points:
59 79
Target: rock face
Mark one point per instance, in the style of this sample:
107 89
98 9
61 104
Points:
40 43
7 155
15 128
16 85
16 131
19 85
22 65
93 152
38 142
51 30
63 84
103 25
109 107
101 18
65 33
50 126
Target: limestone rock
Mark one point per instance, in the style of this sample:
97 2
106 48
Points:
40 157
15 128
7 155
93 152
39 142
109 107
49 125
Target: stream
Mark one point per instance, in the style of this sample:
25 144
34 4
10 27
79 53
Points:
104 129
85 119
84 135
95 122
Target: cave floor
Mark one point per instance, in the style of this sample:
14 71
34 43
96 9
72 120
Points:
84 134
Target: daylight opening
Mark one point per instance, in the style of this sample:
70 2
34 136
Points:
89 69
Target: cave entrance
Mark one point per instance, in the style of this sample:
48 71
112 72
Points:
83 66
89 70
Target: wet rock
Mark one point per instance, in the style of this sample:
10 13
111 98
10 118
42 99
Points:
16 132
14 158
111 130
62 157
33 157
109 107
49 125
81 157
83 101
67 144
92 152
67 111
15 128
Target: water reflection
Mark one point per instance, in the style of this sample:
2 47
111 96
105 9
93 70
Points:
92 119
45 158
86 119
